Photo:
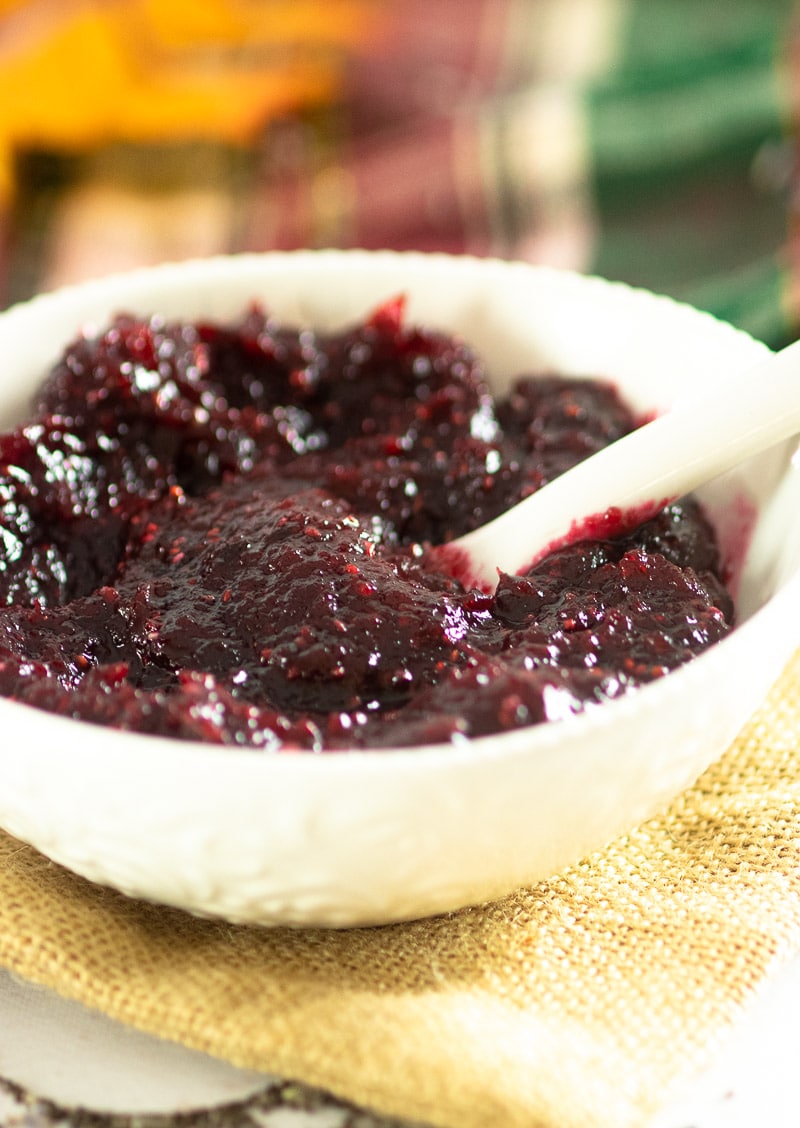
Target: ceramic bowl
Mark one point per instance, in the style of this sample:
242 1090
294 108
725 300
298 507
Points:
362 838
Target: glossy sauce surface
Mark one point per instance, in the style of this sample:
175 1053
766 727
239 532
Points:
222 533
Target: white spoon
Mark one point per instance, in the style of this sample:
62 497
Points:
630 480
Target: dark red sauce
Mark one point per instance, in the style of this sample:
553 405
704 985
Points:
222 533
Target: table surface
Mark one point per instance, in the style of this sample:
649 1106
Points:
279 1105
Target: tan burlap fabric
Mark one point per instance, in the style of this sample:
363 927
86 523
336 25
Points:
581 1002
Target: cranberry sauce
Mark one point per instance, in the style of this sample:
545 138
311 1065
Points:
221 533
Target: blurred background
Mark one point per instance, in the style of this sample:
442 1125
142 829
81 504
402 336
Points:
652 141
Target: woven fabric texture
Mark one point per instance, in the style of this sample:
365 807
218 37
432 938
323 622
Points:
579 1003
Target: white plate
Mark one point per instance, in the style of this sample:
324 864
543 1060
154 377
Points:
357 838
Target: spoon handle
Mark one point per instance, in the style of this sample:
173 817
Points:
697 439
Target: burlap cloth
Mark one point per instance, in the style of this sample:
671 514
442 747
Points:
581 1002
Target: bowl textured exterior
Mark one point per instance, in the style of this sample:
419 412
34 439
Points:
358 838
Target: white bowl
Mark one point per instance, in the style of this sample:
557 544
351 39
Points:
357 838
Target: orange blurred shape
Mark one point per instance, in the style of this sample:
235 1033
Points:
74 74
